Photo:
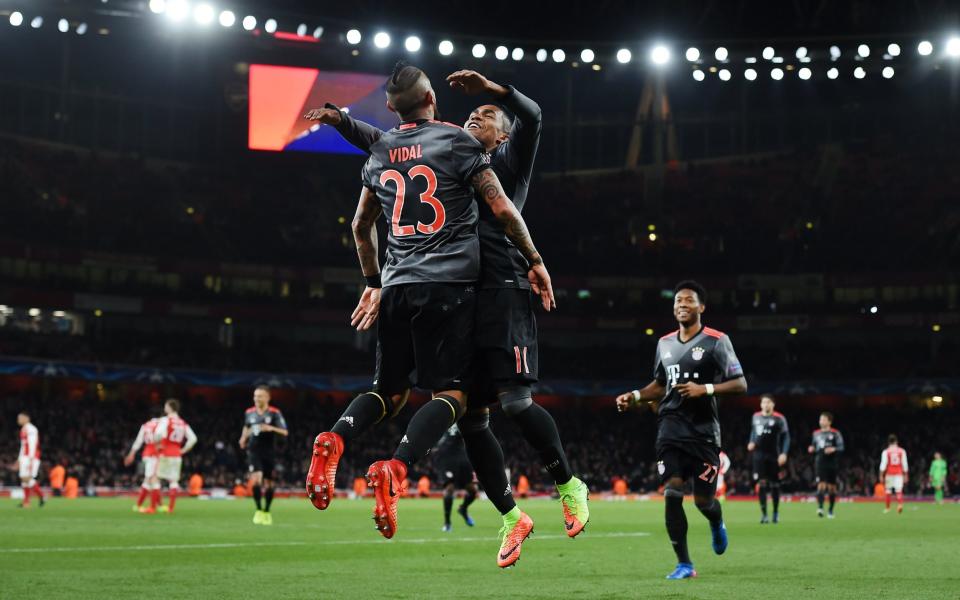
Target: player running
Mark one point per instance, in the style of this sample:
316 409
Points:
721 479
28 461
262 424
175 438
938 476
506 335
894 472
827 444
452 464
148 458
428 289
693 366
770 442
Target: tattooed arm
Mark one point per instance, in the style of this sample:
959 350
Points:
487 186
365 236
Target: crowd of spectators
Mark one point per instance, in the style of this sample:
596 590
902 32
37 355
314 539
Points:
89 438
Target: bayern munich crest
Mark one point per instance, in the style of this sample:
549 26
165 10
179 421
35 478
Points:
697 353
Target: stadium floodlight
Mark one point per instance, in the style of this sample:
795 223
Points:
724 75
833 73
750 74
381 40
63 25
768 53
178 10
859 73
517 54
834 52
81 28
412 43
445 48
37 22
302 29
863 50
34 312
587 55
203 14
227 18
802 52
479 50
660 55
721 54
270 26
249 22
624 56
318 32
559 55
953 46
158 6
354 37
874 310
750 60
804 73
693 54
893 49
924 48
887 72
541 55
776 73
778 60
501 53
699 75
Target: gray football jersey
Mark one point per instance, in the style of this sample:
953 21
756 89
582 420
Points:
421 173
707 357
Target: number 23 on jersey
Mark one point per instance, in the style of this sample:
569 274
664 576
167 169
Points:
427 197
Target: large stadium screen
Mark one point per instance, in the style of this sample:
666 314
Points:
279 97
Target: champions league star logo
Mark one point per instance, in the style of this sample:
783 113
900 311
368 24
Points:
155 376
697 353
50 370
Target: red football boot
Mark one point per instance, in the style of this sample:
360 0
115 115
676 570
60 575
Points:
386 478
512 541
327 450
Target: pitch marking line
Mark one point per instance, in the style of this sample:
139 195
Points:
548 536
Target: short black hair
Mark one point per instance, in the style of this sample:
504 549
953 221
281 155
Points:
24 413
892 439
402 88
828 415
689 284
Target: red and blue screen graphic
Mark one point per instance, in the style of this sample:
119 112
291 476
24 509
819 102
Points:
280 96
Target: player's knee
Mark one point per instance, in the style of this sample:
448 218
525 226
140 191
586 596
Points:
515 399
474 421
457 402
702 501
673 488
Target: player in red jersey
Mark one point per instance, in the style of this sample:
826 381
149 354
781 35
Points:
145 440
894 471
28 462
721 483
174 438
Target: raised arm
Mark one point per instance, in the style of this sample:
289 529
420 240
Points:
359 133
488 187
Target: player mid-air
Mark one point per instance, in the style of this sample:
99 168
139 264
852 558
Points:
894 472
827 444
693 366
175 438
769 442
423 175
454 468
28 461
262 424
938 476
148 458
506 330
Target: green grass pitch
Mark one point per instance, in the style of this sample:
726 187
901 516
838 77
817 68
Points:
99 548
